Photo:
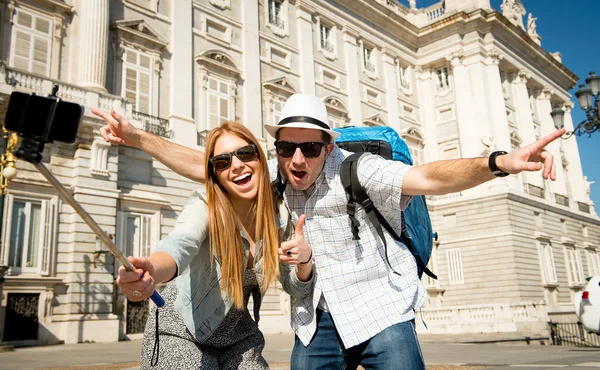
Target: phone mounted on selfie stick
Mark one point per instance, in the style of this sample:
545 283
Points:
44 119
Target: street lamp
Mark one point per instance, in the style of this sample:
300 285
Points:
7 165
589 100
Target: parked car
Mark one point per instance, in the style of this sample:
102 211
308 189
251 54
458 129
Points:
587 305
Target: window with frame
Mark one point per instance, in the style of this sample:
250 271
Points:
218 100
574 266
416 152
277 107
404 74
31 42
137 80
138 233
442 79
455 268
326 38
276 13
547 264
593 258
29 234
368 59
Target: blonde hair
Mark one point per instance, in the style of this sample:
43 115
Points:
224 225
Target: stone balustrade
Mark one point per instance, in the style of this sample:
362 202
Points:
16 80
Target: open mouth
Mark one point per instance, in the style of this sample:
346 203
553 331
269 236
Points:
299 174
243 179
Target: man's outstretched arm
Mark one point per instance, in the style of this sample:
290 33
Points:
183 160
450 176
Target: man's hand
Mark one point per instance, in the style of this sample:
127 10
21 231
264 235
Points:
296 250
531 158
117 129
139 280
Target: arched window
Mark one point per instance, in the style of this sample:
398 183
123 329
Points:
219 78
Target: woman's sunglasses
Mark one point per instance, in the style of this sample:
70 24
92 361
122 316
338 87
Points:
223 161
310 149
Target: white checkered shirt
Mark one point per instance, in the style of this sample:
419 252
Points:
363 295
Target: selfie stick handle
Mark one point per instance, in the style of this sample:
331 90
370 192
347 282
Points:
156 298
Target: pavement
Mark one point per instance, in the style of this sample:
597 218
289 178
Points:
439 353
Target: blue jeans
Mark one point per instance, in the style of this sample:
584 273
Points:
397 347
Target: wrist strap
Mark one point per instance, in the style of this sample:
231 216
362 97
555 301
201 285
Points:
308 260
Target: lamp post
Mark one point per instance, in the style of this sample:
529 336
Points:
7 166
7 173
589 100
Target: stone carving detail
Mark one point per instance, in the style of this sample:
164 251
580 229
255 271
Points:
514 11
588 187
494 56
532 29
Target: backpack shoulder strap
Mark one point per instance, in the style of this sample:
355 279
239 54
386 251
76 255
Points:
348 167
357 193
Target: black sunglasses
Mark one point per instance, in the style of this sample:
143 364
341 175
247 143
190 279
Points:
223 161
310 149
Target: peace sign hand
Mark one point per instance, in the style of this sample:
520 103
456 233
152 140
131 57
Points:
296 251
532 157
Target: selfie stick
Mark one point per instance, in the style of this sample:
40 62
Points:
30 150
156 298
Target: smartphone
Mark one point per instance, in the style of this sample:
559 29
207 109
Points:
31 116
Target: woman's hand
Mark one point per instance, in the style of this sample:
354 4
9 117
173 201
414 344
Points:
138 284
296 251
117 130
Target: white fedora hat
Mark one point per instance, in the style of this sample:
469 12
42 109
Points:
303 111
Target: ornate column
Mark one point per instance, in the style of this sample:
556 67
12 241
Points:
305 45
181 92
391 87
93 44
252 104
571 152
350 36
525 119
545 107
497 112
425 94
467 127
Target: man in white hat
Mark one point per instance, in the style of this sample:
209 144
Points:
354 310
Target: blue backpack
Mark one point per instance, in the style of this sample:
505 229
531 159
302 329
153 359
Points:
416 233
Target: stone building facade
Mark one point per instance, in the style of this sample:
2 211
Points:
456 79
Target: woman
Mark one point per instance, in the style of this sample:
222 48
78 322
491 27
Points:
224 247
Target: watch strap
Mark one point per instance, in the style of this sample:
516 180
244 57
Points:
492 164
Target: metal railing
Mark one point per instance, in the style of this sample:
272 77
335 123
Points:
277 21
327 45
152 124
572 334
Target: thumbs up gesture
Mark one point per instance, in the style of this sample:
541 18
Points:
296 251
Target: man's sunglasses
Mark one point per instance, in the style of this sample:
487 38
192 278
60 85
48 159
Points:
223 161
310 149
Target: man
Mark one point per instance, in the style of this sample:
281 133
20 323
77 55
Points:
355 310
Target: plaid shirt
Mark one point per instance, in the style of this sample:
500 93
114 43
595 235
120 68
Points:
362 294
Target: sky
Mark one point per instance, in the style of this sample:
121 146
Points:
569 26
